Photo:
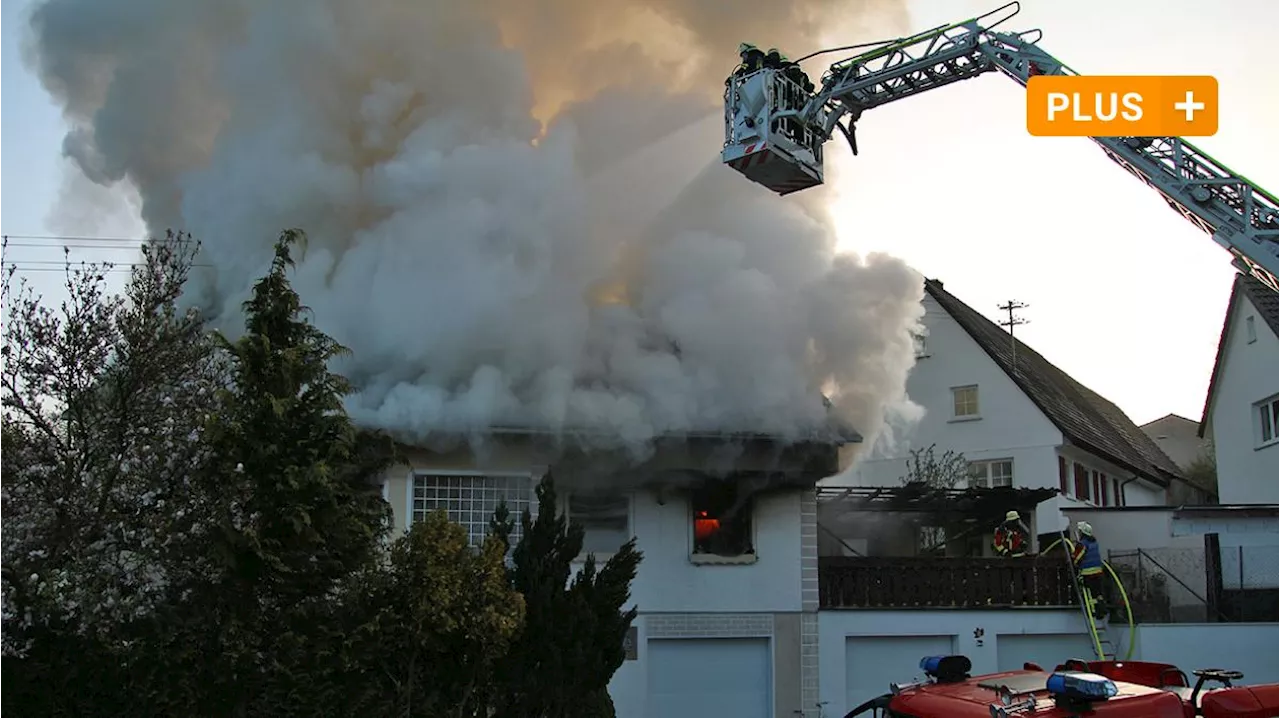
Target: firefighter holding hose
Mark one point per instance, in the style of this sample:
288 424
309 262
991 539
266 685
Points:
1087 558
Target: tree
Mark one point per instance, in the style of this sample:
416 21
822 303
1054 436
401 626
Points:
299 506
432 624
1202 472
104 404
944 472
572 642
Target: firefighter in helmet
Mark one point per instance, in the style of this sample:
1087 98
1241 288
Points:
752 59
1011 537
1087 557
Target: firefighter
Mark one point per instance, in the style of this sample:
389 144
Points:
1087 557
752 59
1011 537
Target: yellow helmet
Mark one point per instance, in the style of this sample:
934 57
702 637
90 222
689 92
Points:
745 47
1012 516
1084 528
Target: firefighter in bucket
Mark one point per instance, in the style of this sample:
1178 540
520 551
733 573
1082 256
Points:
1087 558
1011 537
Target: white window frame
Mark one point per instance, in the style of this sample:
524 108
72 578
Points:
708 559
1250 331
977 406
630 498
1265 421
987 465
531 498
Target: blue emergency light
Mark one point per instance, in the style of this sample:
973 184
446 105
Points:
929 664
1081 686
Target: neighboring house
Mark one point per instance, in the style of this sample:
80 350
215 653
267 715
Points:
1025 424
728 587
1242 410
1179 438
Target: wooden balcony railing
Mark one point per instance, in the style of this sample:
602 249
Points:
944 582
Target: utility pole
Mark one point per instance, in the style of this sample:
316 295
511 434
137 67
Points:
1012 322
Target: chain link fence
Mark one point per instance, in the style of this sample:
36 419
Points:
1164 585
1175 585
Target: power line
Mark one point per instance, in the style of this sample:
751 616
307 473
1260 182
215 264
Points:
72 238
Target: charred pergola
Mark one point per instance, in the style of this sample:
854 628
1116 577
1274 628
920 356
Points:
932 505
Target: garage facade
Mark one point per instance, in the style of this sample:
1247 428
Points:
698 677
873 662
747 665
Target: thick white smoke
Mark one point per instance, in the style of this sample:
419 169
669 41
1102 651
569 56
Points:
515 211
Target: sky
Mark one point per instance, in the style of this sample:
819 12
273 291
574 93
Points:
1123 294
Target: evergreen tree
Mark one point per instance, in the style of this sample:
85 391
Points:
300 507
572 642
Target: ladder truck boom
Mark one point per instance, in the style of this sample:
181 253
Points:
775 131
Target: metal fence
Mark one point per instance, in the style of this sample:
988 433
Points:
1178 585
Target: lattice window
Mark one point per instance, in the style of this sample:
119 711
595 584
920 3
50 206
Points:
471 500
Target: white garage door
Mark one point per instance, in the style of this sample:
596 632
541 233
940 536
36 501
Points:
1048 650
710 677
871 663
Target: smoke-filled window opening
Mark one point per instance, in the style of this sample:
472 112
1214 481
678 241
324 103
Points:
722 523
605 520
470 500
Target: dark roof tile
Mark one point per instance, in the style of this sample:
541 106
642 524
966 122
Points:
1084 417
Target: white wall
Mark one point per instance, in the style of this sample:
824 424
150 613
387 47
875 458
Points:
1011 426
668 582
1043 633
1246 473
1246 647
1120 530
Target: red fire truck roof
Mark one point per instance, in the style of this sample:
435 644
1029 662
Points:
973 698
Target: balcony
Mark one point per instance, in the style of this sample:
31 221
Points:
933 582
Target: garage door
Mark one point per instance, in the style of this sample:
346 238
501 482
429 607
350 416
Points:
871 663
1048 649
710 677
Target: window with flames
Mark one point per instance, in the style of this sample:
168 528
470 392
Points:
722 520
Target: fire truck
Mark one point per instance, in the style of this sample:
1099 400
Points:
1101 689
775 130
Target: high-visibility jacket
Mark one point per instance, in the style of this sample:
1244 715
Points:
1087 556
1010 540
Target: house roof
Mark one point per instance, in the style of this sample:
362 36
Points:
1265 301
1084 418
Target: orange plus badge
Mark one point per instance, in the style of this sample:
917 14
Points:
1122 106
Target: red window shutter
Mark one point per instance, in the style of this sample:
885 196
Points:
1062 476
1115 485
1104 489
1097 488
1082 481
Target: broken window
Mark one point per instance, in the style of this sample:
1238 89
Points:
605 520
722 520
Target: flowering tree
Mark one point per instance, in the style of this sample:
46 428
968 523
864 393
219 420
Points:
104 405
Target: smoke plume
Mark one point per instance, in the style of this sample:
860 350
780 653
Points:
515 209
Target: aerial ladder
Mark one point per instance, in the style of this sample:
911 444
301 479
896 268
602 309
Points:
775 131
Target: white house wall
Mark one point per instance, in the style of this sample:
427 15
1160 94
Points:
1247 374
1011 426
773 599
1246 647
861 652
